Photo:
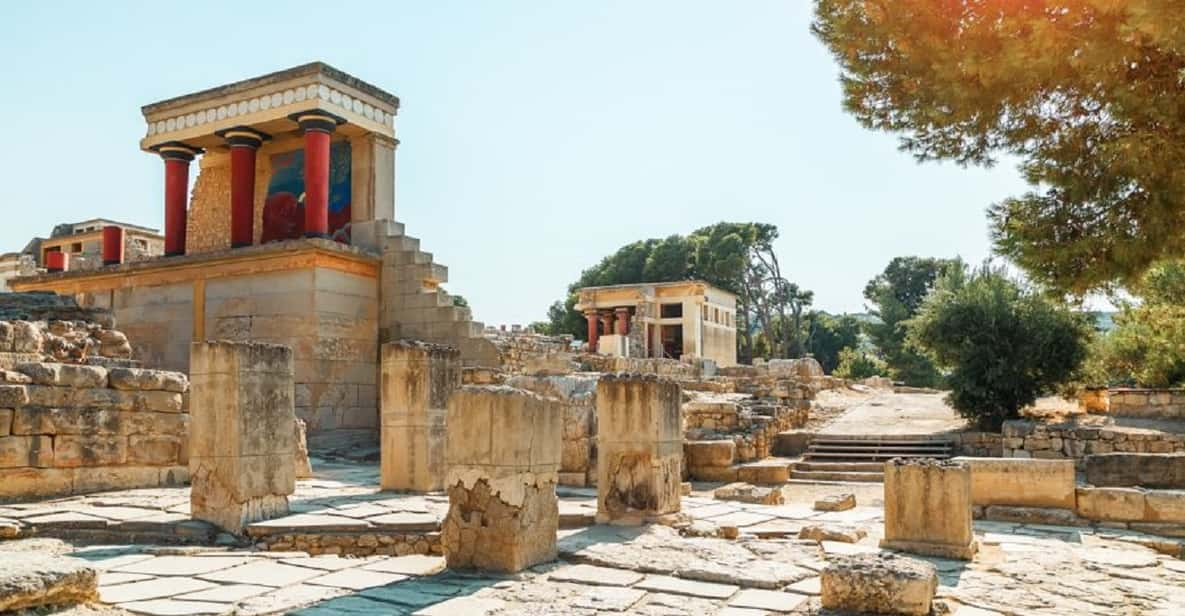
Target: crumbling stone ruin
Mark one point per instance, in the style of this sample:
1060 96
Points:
242 456
502 455
417 380
928 507
879 584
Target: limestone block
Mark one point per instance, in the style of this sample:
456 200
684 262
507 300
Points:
879 584
65 375
103 478
155 450
826 532
71 451
242 435
698 454
1111 504
791 443
502 453
29 483
928 507
5 422
304 469
18 451
639 447
836 502
1022 482
1165 506
417 379
32 579
26 337
142 379
1135 469
13 396
748 493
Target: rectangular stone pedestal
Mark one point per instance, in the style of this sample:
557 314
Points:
416 382
242 432
503 458
928 508
639 448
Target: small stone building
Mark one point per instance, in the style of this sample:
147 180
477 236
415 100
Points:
661 319
287 237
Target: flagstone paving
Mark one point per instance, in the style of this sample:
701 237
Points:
602 570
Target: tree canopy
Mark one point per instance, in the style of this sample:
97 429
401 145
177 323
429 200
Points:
895 295
1147 346
1003 344
1088 94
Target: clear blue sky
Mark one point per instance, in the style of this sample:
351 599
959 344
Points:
536 137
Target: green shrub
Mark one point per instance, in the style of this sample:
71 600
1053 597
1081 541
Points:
856 365
1002 344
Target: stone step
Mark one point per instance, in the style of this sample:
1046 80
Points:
869 456
889 448
837 476
402 243
765 471
865 467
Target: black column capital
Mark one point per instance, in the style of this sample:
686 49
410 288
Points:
243 136
317 119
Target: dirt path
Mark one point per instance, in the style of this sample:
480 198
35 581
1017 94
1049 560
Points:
889 413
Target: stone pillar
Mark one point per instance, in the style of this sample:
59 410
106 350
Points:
928 507
57 261
177 157
623 321
639 448
318 126
503 457
417 380
243 142
594 329
242 432
112 245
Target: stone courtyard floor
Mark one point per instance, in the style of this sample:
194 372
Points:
1021 569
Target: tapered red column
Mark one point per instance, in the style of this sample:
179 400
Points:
623 321
177 157
318 126
112 245
243 142
594 330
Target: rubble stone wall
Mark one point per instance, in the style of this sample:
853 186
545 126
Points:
72 429
1153 403
1029 439
751 426
527 353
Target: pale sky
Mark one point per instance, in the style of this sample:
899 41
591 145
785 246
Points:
536 137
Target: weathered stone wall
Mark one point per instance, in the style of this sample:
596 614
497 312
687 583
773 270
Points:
528 353
752 424
1136 469
977 444
577 398
1021 483
670 368
376 543
72 429
1029 439
1152 403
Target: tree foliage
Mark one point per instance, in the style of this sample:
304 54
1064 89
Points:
856 364
736 257
1088 94
1002 343
894 296
828 336
1147 346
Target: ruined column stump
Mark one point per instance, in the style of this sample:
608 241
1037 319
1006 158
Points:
639 448
242 432
503 458
878 584
416 382
928 508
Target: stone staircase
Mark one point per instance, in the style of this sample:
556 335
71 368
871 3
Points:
416 306
861 458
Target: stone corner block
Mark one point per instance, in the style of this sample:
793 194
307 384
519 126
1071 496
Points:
928 507
879 584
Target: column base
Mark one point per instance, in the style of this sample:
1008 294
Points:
927 548
317 234
105 262
241 244
175 254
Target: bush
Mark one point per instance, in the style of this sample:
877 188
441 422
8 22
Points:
1147 346
856 365
1002 344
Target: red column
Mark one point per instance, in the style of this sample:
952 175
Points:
243 142
317 127
623 321
112 245
594 330
57 261
177 158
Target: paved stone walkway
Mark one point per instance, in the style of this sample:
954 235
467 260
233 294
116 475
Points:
602 570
